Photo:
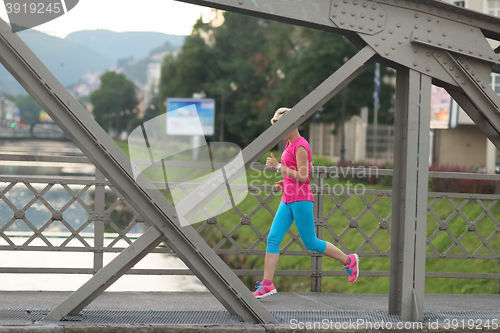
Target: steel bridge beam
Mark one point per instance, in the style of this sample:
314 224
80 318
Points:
154 208
316 13
78 124
475 114
409 195
485 108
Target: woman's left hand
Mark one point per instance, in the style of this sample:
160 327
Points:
272 161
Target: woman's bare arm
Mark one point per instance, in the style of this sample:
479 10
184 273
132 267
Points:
302 172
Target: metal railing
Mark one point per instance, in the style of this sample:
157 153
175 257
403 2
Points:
93 217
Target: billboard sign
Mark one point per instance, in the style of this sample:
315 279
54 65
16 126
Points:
440 108
190 116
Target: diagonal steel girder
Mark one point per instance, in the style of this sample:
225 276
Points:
127 259
478 99
157 212
476 115
78 124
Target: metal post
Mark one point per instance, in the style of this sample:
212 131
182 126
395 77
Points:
388 142
315 212
317 260
222 97
409 207
376 106
99 208
342 138
266 121
319 231
321 137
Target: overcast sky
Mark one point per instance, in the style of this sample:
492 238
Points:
167 16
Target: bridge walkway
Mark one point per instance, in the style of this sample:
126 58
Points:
197 311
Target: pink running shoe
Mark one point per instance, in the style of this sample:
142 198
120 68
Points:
353 267
264 291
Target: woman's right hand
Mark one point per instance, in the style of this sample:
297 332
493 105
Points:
279 185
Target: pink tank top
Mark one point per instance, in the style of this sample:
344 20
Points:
293 190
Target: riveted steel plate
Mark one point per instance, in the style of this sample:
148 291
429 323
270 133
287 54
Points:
357 15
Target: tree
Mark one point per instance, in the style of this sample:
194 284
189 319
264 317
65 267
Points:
210 60
114 102
152 111
193 70
10 97
273 64
317 59
30 110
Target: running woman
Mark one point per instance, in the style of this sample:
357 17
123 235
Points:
296 205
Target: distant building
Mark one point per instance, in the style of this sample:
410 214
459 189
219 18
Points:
151 88
8 111
88 83
327 142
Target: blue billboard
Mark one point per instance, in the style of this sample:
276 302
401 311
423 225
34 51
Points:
190 116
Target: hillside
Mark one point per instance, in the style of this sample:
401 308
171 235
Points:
91 51
67 60
119 45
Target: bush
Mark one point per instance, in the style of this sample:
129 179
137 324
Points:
370 176
461 185
322 161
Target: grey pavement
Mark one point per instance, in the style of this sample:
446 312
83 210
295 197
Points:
120 309
206 301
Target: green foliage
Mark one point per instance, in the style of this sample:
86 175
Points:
338 222
10 97
114 102
30 110
153 110
322 161
190 72
138 69
272 64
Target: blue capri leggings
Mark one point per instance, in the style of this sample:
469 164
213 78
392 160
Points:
302 213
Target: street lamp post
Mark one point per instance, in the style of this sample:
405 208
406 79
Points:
221 136
269 84
266 125
233 87
342 138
